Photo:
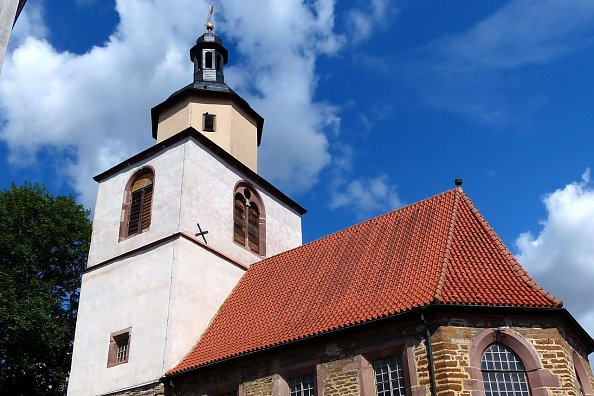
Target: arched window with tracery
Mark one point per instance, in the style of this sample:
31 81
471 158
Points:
503 372
138 199
249 219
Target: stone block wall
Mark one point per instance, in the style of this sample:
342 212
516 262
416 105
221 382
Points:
258 387
339 378
452 344
341 362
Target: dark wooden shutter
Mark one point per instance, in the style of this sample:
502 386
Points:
141 200
145 214
253 229
135 213
239 220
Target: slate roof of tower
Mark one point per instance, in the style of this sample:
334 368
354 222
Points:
437 251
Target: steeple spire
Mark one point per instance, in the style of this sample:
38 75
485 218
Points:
209 55
209 25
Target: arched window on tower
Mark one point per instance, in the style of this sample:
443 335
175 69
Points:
249 219
138 199
503 372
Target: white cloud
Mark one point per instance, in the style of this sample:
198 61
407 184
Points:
561 257
97 104
365 197
363 21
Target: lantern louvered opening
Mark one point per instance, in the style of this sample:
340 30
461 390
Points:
141 199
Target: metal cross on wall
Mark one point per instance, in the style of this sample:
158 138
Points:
201 233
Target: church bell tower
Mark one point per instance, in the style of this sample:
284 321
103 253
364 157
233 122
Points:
175 227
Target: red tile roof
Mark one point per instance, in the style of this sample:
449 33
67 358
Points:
437 251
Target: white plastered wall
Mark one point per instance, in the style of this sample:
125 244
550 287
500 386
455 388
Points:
134 293
191 186
208 199
166 296
166 292
168 168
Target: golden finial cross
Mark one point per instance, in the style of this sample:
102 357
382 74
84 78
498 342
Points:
209 25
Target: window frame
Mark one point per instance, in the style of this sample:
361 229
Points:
506 374
402 348
127 203
380 362
280 380
251 198
113 349
539 379
582 375
214 122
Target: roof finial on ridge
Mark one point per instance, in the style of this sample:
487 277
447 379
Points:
209 25
458 182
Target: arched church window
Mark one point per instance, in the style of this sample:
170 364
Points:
249 220
582 376
503 372
138 200
208 60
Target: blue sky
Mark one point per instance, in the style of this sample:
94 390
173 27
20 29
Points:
369 105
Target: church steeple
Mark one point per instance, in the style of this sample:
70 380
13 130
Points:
209 106
209 55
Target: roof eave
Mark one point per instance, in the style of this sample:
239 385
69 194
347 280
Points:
427 309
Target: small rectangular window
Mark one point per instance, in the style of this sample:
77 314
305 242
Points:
119 348
209 122
302 386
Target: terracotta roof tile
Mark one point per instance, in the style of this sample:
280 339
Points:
439 250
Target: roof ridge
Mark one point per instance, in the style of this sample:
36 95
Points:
511 259
446 254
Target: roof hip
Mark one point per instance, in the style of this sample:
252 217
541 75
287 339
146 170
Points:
447 253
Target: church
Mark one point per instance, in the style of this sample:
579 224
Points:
198 283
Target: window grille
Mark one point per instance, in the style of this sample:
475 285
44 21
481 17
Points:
389 377
122 354
302 386
503 372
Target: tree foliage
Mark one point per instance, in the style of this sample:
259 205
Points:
44 241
